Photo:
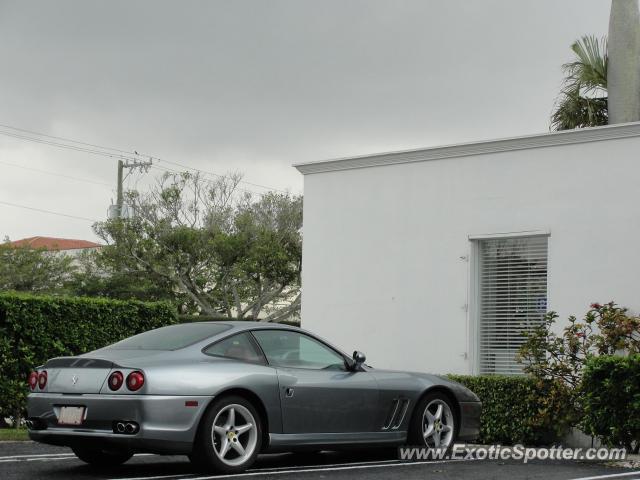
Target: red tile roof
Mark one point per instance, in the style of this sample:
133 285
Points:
51 243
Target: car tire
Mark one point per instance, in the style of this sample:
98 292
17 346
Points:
229 437
434 423
101 458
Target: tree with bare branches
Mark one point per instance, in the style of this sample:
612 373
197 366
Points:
231 253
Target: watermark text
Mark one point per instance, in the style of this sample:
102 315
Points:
516 452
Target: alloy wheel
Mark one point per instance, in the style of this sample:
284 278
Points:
234 435
438 424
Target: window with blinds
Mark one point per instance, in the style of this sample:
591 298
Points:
513 298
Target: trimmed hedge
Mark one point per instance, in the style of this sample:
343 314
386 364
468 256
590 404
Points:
515 409
36 328
611 399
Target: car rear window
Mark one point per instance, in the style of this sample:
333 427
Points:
172 337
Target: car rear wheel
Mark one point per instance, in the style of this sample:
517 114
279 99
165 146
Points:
434 422
229 438
101 458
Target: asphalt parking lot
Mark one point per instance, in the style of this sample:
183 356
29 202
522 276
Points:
27 460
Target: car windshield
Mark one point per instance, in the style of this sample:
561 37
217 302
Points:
172 337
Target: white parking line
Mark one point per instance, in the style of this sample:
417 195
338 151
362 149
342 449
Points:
39 455
301 469
155 477
265 469
51 459
612 475
331 469
55 459
47 456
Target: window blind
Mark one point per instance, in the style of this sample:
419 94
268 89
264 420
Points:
513 298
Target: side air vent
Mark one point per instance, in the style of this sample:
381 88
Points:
402 411
397 412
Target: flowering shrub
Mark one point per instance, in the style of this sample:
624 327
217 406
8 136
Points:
605 330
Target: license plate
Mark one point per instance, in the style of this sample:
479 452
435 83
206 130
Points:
71 416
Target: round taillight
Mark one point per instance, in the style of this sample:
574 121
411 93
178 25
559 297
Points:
135 381
42 379
33 380
115 380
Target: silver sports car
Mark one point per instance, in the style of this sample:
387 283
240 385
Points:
224 392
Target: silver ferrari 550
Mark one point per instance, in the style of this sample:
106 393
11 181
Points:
224 392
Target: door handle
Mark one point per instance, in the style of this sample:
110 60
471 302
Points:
288 392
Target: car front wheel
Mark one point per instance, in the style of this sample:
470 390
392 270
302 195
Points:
230 436
434 422
101 458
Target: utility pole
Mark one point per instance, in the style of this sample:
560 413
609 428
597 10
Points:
119 194
143 166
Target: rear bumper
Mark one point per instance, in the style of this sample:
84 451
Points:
166 424
469 421
100 440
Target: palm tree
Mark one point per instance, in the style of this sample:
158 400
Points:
583 98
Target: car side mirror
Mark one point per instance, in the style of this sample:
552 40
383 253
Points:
358 359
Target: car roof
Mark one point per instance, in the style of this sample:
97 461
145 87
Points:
240 325
249 324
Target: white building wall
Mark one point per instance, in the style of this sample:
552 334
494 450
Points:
385 248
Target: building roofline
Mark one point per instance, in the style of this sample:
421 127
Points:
550 139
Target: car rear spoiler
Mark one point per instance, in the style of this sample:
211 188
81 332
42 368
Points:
79 362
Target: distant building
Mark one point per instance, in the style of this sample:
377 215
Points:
67 246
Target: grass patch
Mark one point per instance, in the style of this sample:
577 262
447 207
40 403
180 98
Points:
13 434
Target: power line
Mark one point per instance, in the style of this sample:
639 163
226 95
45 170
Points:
47 211
63 139
67 146
205 180
129 153
55 174
120 154
216 174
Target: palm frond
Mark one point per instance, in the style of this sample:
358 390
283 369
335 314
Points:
576 111
589 71
583 97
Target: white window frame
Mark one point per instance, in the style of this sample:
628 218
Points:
474 286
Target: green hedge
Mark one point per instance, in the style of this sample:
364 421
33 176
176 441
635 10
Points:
36 328
517 409
611 399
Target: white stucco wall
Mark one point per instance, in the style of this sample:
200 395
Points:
382 267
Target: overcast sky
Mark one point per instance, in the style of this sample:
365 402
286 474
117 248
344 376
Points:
256 86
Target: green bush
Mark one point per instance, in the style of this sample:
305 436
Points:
611 400
518 409
36 328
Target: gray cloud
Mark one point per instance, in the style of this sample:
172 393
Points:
258 85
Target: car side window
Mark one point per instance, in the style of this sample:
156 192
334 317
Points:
238 347
285 348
